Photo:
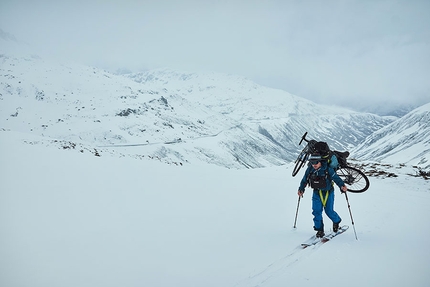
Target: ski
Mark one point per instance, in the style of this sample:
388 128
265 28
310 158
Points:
331 235
313 240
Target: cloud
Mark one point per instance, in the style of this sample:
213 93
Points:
348 52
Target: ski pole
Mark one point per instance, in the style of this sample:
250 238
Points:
350 213
297 212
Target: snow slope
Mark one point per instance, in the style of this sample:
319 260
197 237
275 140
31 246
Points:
404 141
72 218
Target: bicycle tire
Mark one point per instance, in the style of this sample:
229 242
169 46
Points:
300 162
354 179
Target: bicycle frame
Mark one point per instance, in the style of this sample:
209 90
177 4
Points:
355 179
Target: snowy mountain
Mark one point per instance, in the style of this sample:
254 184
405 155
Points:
404 141
10 45
223 119
280 116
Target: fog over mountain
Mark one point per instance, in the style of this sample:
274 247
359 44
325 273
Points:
370 56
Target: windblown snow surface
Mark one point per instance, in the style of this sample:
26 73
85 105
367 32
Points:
82 217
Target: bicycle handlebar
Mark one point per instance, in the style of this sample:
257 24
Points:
303 138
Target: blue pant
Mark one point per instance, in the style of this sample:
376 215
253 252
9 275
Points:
317 209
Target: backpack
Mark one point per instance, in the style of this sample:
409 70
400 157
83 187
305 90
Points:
341 157
318 181
322 149
332 161
335 159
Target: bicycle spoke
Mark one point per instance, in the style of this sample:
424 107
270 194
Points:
355 179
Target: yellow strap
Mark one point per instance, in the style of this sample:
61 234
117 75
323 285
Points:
324 200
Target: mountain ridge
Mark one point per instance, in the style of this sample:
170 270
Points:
404 141
211 117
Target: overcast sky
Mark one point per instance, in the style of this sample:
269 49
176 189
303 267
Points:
349 52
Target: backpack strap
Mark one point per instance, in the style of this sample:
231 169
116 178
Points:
324 199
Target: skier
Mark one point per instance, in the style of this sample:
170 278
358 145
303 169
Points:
320 177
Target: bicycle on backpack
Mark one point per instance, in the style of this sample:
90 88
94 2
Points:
355 179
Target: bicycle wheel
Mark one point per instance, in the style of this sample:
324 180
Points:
355 179
300 162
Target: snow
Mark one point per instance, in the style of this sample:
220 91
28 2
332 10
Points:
70 218
404 141
258 125
158 197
